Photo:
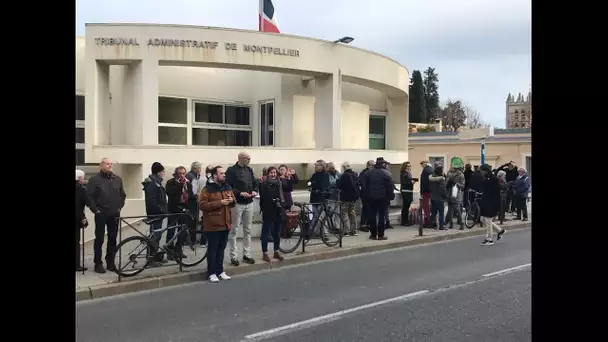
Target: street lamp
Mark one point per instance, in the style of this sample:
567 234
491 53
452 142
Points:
345 40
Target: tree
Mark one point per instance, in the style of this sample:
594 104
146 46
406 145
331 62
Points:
453 116
473 118
431 92
457 114
417 103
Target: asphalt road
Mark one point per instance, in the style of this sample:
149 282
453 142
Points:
307 303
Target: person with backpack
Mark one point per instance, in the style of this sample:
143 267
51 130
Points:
348 186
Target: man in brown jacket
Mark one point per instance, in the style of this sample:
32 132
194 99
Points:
216 201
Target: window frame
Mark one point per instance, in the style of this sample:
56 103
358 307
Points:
438 155
175 125
270 128
377 114
222 126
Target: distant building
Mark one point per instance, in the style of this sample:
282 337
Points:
519 111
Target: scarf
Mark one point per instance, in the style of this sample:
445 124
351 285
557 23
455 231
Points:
277 182
184 183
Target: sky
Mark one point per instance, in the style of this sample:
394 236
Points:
479 48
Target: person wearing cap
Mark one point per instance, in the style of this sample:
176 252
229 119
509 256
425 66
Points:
156 199
80 219
378 187
490 204
106 197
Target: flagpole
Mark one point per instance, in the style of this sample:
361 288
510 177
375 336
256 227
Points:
261 16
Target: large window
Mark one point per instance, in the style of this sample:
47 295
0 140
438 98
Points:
377 132
79 134
172 121
267 123
221 125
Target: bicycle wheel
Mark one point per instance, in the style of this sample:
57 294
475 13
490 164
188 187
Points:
471 217
330 234
292 238
133 252
193 252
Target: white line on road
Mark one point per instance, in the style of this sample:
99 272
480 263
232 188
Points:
507 270
327 318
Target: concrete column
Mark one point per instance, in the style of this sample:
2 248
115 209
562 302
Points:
97 106
141 102
328 111
397 124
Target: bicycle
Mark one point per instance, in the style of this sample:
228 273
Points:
187 253
304 231
472 215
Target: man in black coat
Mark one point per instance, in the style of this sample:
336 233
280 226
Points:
490 204
378 188
349 194
106 197
179 195
364 201
80 218
156 200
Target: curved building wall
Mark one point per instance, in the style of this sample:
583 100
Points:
331 101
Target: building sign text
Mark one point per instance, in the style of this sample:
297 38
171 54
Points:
198 44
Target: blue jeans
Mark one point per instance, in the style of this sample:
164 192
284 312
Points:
271 227
437 207
216 247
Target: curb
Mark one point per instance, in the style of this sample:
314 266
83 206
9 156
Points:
100 291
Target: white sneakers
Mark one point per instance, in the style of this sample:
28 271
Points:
223 276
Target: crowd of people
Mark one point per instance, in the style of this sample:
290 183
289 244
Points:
225 197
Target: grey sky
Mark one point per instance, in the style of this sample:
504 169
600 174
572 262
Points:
480 48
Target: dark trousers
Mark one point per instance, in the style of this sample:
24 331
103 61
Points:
78 232
101 222
216 245
376 218
522 206
271 227
156 225
364 212
405 212
511 201
437 208
181 219
454 210
426 203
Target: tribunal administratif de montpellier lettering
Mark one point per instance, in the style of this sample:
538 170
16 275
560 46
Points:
197 44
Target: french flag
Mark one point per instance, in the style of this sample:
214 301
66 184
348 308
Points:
268 19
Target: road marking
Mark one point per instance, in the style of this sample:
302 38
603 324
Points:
507 270
327 318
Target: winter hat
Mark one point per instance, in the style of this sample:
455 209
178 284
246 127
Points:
157 167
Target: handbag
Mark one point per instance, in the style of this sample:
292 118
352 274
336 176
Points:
290 223
454 192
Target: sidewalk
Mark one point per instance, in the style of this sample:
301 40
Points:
94 285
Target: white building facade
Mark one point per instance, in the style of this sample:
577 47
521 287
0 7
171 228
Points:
176 94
